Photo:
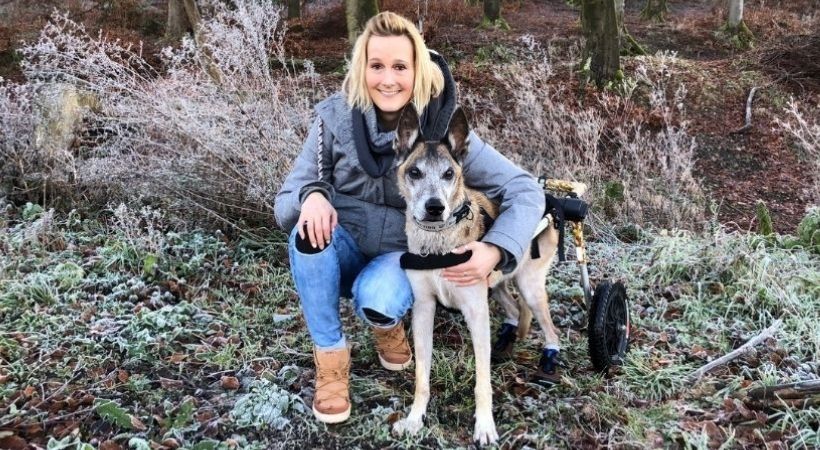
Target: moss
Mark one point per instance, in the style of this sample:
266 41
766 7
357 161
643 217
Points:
614 191
808 231
740 36
764 219
498 24
629 46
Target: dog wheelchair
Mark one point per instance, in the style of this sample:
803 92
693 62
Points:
607 303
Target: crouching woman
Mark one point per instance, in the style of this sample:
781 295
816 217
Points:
342 203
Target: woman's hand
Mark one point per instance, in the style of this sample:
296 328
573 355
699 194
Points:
319 218
477 268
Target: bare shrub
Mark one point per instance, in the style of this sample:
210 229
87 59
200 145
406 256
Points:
656 167
141 229
433 14
596 145
217 131
806 134
17 123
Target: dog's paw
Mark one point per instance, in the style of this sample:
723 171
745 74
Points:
407 426
485 432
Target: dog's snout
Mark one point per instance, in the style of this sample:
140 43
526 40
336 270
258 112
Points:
434 208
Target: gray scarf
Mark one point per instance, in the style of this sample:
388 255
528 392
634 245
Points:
377 159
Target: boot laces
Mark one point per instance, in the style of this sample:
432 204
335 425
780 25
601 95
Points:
391 340
326 377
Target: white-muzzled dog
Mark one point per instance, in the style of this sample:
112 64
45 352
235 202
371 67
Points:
443 214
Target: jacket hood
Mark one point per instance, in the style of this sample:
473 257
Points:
443 105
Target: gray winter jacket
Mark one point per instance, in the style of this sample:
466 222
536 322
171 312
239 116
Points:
372 209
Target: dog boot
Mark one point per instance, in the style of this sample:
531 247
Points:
548 371
394 350
503 347
331 401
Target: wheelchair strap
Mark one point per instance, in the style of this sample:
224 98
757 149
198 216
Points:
554 209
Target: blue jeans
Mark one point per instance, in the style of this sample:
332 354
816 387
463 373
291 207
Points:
379 288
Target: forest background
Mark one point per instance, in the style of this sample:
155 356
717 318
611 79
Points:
145 299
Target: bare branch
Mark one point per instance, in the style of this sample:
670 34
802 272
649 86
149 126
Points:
765 334
748 124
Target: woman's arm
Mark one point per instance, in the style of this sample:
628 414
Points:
302 181
520 198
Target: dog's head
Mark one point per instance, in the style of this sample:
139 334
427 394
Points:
429 174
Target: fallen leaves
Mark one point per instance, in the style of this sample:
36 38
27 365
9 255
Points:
168 383
231 383
12 442
112 412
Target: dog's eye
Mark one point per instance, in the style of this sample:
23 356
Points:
414 173
448 175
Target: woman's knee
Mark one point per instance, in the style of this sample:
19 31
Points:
382 292
302 244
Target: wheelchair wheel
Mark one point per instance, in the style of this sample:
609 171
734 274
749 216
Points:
608 327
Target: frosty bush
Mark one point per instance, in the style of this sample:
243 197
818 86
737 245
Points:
652 170
141 230
806 135
17 122
217 130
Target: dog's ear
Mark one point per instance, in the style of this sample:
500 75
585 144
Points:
407 132
457 132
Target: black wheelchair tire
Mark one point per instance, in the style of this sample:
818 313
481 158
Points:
608 328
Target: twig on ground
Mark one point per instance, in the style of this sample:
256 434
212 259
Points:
748 124
768 332
57 419
789 403
800 389
78 371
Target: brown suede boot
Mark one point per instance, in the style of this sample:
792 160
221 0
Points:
331 401
394 350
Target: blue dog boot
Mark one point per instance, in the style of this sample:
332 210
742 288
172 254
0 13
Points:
503 347
548 367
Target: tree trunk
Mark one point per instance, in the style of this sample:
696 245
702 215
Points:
628 44
492 10
194 18
294 9
178 23
736 30
602 49
358 12
655 10
735 13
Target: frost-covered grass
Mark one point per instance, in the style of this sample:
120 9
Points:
136 332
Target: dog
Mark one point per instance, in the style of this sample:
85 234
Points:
431 181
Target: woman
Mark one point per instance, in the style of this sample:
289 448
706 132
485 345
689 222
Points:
342 202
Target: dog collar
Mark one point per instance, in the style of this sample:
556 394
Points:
463 212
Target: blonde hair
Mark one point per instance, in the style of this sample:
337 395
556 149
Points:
429 81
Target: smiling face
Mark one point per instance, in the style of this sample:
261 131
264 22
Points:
390 75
